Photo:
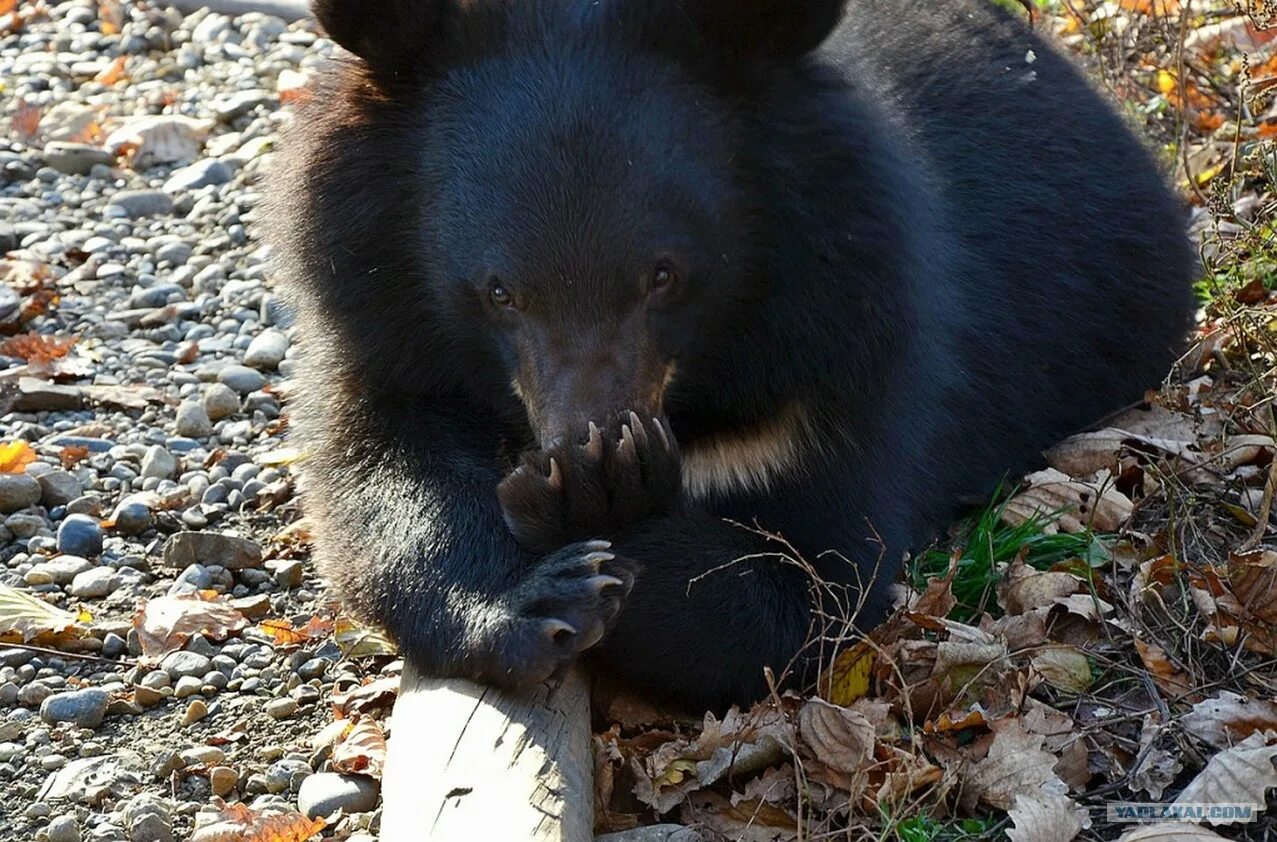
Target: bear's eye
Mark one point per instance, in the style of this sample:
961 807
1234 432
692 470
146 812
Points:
664 278
499 294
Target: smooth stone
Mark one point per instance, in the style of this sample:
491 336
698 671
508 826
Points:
63 828
84 708
186 548
94 583
220 401
327 792
222 779
192 420
281 708
209 171
18 491
241 378
80 535
36 395
141 203
159 463
183 663
58 488
133 516
63 569
75 158
267 350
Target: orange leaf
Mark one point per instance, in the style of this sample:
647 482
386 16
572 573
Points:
72 455
26 121
15 456
36 347
110 17
240 823
112 74
285 633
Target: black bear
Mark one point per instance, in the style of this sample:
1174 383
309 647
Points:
595 293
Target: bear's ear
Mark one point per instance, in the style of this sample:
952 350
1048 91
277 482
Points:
387 34
769 29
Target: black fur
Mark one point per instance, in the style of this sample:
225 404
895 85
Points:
923 252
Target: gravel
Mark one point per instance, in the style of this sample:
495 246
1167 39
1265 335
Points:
156 436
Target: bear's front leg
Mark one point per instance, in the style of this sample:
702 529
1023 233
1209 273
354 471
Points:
412 536
596 485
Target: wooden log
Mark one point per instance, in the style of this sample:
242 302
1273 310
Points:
469 763
287 9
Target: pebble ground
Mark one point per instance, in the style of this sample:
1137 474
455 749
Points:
129 183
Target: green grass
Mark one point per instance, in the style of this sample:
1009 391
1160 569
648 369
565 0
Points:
988 544
925 829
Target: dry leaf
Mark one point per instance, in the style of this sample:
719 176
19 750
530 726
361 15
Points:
1074 505
361 749
1048 818
377 694
1229 718
25 617
1063 667
165 623
1170 679
113 74
1252 577
1159 767
747 821
359 642
26 122
1015 765
36 347
1025 589
240 823
285 634
839 738
15 456
1240 775
738 744
848 677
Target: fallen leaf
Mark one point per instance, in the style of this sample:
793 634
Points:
1240 775
1063 667
23 615
377 694
165 623
746 821
287 635
1253 579
36 347
1016 765
26 122
241 823
1229 718
72 455
1170 679
358 642
1072 505
1159 766
361 749
15 456
848 678
839 738
112 74
1044 818
1025 589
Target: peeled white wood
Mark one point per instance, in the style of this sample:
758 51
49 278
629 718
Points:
471 763
286 9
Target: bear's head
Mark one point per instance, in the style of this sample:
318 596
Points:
548 199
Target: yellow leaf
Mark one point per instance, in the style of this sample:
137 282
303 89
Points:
14 456
849 676
1166 82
